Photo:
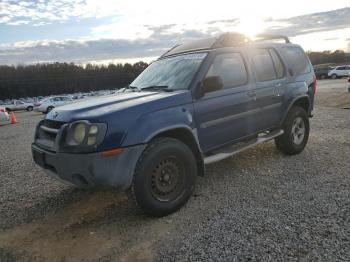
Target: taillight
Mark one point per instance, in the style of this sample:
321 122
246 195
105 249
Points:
2 110
315 84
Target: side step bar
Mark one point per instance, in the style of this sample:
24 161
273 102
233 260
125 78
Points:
239 147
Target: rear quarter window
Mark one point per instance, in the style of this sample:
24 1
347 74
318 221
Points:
297 60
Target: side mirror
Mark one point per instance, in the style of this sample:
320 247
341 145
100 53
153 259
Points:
210 84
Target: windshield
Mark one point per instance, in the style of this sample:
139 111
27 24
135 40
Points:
175 73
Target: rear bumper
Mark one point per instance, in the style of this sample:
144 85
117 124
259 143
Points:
89 170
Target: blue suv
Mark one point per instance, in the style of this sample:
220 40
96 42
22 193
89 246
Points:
199 103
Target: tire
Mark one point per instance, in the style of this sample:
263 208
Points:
163 161
49 109
296 129
29 108
334 76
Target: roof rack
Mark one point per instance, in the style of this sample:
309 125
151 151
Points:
224 40
263 37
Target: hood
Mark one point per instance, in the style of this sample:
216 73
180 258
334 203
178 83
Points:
100 109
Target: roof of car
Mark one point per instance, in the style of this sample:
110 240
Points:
224 40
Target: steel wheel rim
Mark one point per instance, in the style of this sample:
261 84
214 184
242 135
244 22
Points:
298 130
167 179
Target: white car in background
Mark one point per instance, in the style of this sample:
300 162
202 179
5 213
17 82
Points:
18 105
50 103
339 71
4 116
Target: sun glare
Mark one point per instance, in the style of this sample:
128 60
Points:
250 26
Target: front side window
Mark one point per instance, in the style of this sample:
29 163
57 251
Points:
174 73
264 66
230 68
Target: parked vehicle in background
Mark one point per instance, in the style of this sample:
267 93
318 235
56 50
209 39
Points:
339 71
349 82
321 72
46 105
199 103
4 116
16 105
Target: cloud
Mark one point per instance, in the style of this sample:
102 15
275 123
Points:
153 40
92 50
49 11
312 23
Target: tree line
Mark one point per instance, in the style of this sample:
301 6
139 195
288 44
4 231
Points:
66 78
328 57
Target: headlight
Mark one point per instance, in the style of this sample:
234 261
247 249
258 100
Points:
83 134
79 133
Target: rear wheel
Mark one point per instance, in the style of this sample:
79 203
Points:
165 177
296 129
29 108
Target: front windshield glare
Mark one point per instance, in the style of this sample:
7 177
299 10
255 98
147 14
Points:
175 72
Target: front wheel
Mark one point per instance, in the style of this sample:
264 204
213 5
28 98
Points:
164 177
29 108
48 110
296 129
334 76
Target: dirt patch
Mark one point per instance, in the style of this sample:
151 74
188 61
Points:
81 232
333 99
66 236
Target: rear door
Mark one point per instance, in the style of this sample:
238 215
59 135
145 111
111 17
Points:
347 69
222 115
342 71
270 87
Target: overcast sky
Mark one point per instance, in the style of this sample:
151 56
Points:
105 31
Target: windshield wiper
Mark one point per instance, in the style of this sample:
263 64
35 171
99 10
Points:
132 88
155 87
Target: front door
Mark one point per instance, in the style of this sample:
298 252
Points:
223 115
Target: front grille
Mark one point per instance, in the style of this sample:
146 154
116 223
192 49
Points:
47 133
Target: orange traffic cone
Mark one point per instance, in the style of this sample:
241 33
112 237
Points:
13 118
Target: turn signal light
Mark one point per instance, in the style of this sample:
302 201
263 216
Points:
112 152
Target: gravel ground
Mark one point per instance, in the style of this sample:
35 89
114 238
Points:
258 205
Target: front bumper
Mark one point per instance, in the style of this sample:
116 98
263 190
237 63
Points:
89 170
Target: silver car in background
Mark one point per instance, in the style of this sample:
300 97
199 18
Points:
16 105
47 104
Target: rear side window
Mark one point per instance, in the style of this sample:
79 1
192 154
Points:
277 63
297 60
230 68
263 65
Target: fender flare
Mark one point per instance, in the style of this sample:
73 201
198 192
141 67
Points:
291 104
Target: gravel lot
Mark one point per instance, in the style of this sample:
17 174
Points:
258 205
